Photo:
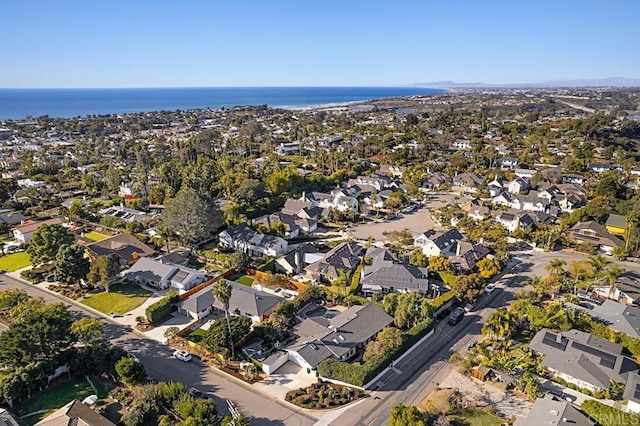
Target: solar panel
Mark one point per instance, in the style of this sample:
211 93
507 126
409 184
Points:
606 360
549 339
636 393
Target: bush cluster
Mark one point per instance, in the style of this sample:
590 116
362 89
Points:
608 416
160 309
358 374
323 395
39 273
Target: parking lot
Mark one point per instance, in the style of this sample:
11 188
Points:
417 221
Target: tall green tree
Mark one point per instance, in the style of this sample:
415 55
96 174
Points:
499 325
88 330
191 217
130 371
71 264
406 416
555 266
46 242
103 270
598 263
222 293
612 274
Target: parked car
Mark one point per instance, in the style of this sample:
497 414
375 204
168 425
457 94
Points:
50 278
197 393
468 307
490 288
183 356
456 316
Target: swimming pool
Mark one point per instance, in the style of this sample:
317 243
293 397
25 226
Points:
323 312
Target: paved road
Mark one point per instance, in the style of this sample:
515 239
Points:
417 221
412 379
162 366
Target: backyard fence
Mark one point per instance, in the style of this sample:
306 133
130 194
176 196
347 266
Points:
206 284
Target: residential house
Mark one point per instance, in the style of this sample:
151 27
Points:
508 163
532 202
616 224
507 199
392 171
291 148
467 255
593 233
386 275
552 411
295 261
303 209
124 213
461 144
468 182
244 239
583 359
518 186
77 414
476 209
157 274
244 301
124 247
10 218
23 232
599 167
341 337
513 221
572 178
525 173
626 289
436 180
6 419
617 316
497 185
437 243
343 258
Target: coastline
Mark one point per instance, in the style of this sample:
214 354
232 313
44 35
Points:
21 104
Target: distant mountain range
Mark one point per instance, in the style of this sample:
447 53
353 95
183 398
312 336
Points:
595 82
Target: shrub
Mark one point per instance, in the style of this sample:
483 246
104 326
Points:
608 416
160 309
442 299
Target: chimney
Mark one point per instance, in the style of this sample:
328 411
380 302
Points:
559 338
298 261
457 248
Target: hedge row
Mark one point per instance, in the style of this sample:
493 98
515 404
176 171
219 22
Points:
442 299
162 308
39 273
359 374
609 416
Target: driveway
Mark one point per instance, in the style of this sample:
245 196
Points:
286 378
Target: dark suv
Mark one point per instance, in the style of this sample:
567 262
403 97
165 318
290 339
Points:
456 316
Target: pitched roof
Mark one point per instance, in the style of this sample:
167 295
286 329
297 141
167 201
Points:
632 388
443 239
121 245
317 342
583 356
616 221
622 318
11 217
31 226
399 277
553 412
75 413
344 256
244 299
601 235
151 270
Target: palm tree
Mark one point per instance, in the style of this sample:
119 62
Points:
598 263
612 275
555 266
499 325
222 293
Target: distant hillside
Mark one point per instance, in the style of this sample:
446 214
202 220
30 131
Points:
596 82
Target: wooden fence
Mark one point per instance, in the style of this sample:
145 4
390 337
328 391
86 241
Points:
206 284
286 282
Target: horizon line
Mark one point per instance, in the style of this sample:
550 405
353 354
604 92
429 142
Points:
408 86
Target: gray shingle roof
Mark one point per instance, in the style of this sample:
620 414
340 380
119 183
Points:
632 388
583 356
121 245
244 299
347 330
553 412
398 277
622 318
344 256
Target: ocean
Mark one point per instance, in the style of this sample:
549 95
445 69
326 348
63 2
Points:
19 103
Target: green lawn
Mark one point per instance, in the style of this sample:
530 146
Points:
196 335
245 280
121 298
15 261
56 397
96 236
474 417
447 277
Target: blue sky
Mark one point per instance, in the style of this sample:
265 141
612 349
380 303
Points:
144 43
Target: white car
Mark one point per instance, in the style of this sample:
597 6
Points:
489 288
182 356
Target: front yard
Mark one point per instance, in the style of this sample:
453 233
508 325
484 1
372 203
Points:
57 396
15 261
121 298
474 417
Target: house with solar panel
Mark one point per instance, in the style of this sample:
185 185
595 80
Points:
583 359
632 393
